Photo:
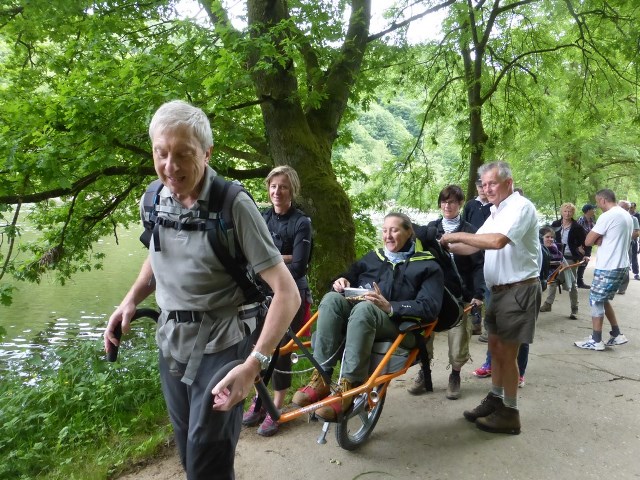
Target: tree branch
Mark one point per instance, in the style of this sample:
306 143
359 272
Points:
395 26
514 61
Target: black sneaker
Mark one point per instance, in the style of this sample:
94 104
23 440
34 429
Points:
489 404
583 285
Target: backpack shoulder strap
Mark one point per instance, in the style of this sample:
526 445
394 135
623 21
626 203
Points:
293 223
150 201
221 197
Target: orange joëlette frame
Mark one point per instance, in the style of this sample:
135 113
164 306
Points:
375 379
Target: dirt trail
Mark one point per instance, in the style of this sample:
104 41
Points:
580 414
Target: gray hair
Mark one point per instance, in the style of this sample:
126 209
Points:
178 113
504 170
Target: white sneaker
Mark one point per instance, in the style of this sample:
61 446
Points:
589 344
619 340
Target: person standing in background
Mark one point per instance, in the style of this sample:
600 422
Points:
635 232
634 245
291 232
586 221
475 212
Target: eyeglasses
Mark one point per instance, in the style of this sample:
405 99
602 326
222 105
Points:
448 202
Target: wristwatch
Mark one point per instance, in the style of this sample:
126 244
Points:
263 360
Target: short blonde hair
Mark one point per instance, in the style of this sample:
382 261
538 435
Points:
568 205
290 173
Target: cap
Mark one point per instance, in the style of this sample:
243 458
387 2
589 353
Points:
588 207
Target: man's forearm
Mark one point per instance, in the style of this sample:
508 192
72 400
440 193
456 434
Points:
468 243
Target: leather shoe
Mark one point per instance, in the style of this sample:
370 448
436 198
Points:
503 420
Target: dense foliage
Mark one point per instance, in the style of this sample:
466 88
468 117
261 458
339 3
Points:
545 84
68 414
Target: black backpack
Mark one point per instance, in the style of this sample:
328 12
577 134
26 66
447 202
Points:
219 227
452 304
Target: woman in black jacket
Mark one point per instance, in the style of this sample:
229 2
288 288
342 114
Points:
570 236
291 232
471 270
400 283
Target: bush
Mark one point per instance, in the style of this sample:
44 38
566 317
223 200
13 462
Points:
68 410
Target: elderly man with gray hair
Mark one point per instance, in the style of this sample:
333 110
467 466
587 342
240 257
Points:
509 237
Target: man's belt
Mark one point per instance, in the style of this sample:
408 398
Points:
246 311
507 286
185 316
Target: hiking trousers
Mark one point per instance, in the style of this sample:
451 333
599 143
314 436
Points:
358 326
206 453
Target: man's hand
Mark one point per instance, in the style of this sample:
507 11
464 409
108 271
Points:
235 386
122 316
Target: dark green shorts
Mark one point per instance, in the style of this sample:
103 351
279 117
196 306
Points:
512 313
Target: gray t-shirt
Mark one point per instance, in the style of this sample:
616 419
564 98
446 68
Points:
189 276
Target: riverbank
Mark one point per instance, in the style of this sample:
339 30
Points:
580 415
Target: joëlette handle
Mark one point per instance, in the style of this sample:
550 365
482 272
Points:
112 352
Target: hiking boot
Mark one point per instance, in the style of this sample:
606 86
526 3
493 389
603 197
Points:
503 420
488 405
251 417
331 412
483 372
268 428
417 384
484 338
590 344
315 390
453 389
619 340
546 307
573 316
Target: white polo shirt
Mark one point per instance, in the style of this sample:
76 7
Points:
516 219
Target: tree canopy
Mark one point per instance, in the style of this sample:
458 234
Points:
364 116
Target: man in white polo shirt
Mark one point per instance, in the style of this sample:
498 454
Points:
511 270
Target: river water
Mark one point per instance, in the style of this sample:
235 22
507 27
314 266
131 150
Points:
51 314
48 313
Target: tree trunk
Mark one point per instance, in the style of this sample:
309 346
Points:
304 139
